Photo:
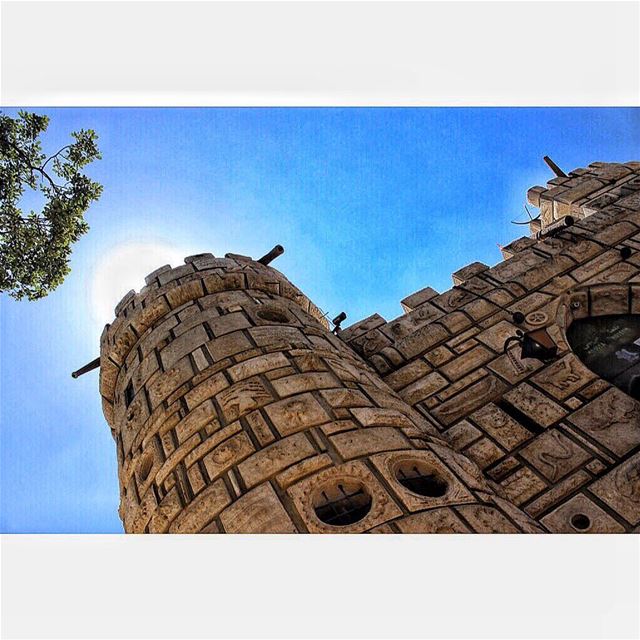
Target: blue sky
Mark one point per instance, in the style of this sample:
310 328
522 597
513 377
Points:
370 205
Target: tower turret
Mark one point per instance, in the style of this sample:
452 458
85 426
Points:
235 409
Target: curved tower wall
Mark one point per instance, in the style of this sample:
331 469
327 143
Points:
235 409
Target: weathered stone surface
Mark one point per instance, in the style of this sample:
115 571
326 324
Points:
522 485
483 391
259 511
423 388
296 413
620 489
232 404
442 520
612 419
500 426
554 455
564 377
485 519
577 511
228 454
242 397
271 460
257 365
364 442
534 404
204 508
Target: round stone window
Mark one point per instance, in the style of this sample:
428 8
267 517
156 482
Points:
418 477
343 502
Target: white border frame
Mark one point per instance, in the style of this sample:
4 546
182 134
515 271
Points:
152 53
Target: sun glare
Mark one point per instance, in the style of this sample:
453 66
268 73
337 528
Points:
123 268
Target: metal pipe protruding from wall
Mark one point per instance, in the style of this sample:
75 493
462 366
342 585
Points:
94 364
278 250
558 225
555 168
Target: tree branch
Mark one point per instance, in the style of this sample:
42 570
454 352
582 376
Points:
33 168
55 155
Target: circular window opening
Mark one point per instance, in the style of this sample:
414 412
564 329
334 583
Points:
272 315
580 522
419 478
343 503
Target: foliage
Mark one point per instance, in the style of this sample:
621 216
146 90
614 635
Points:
35 248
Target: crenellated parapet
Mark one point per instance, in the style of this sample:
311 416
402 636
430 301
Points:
609 187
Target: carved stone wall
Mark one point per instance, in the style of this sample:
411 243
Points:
235 409
563 444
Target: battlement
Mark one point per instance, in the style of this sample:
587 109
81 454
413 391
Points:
235 408
516 418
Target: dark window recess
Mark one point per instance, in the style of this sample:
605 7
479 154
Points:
272 315
418 478
128 394
580 522
610 347
342 504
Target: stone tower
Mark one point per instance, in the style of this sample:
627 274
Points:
235 409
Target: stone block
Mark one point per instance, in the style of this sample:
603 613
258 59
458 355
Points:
202 509
301 470
259 511
554 455
620 489
196 420
418 298
535 405
486 519
208 388
364 442
168 508
496 335
273 459
243 397
609 300
462 404
423 388
231 452
443 520
301 382
522 485
462 434
296 413
260 428
462 275
533 195
564 377
212 441
381 417
462 365
340 398
361 327
611 419
484 452
581 515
